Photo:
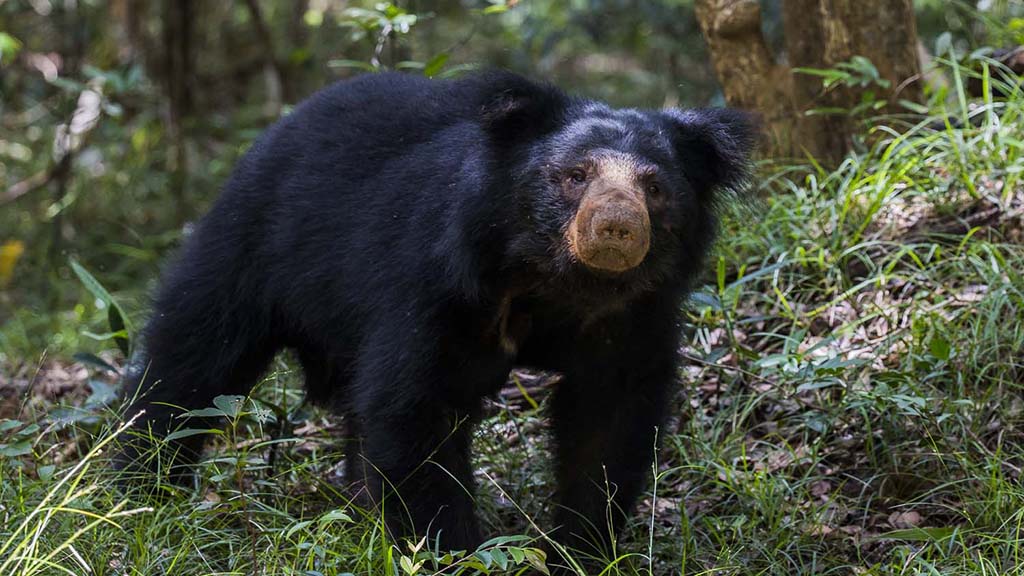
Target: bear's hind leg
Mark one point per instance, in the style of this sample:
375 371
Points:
193 354
327 379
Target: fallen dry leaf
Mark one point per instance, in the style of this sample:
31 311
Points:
908 519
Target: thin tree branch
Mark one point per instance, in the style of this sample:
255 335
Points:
271 63
30 184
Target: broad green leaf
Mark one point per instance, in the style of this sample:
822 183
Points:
517 554
940 347
231 405
9 47
6 425
296 527
186 432
333 516
503 541
46 472
435 65
485 557
116 317
500 558
19 448
205 413
537 559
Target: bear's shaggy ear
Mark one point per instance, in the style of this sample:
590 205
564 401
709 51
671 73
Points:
513 107
714 146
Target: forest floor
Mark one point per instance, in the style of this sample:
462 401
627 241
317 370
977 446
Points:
852 403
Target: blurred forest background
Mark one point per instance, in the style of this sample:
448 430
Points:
853 398
119 119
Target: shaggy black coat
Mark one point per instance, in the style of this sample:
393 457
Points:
406 237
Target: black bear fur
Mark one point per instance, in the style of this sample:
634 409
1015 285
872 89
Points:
405 236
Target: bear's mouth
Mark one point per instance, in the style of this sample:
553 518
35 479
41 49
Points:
611 261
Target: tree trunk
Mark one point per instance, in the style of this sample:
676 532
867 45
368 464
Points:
298 37
750 77
273 72
126 14
178 73
824 33
819 34
72 50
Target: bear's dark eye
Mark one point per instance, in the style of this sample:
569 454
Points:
578 175
653 189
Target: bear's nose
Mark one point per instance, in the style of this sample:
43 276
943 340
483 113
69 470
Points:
616 230
611 231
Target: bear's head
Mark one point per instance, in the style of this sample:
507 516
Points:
615 201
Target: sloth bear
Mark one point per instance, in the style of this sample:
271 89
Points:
412 240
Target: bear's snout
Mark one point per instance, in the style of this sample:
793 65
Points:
611 231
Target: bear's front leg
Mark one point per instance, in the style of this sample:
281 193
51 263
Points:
417 396
607 414
418 471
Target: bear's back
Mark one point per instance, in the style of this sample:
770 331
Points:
355 127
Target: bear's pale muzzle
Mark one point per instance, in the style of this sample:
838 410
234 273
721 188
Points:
611 231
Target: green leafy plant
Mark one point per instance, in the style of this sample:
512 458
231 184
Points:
9 47
858 72
119 323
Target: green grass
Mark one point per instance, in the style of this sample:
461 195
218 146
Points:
853 403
